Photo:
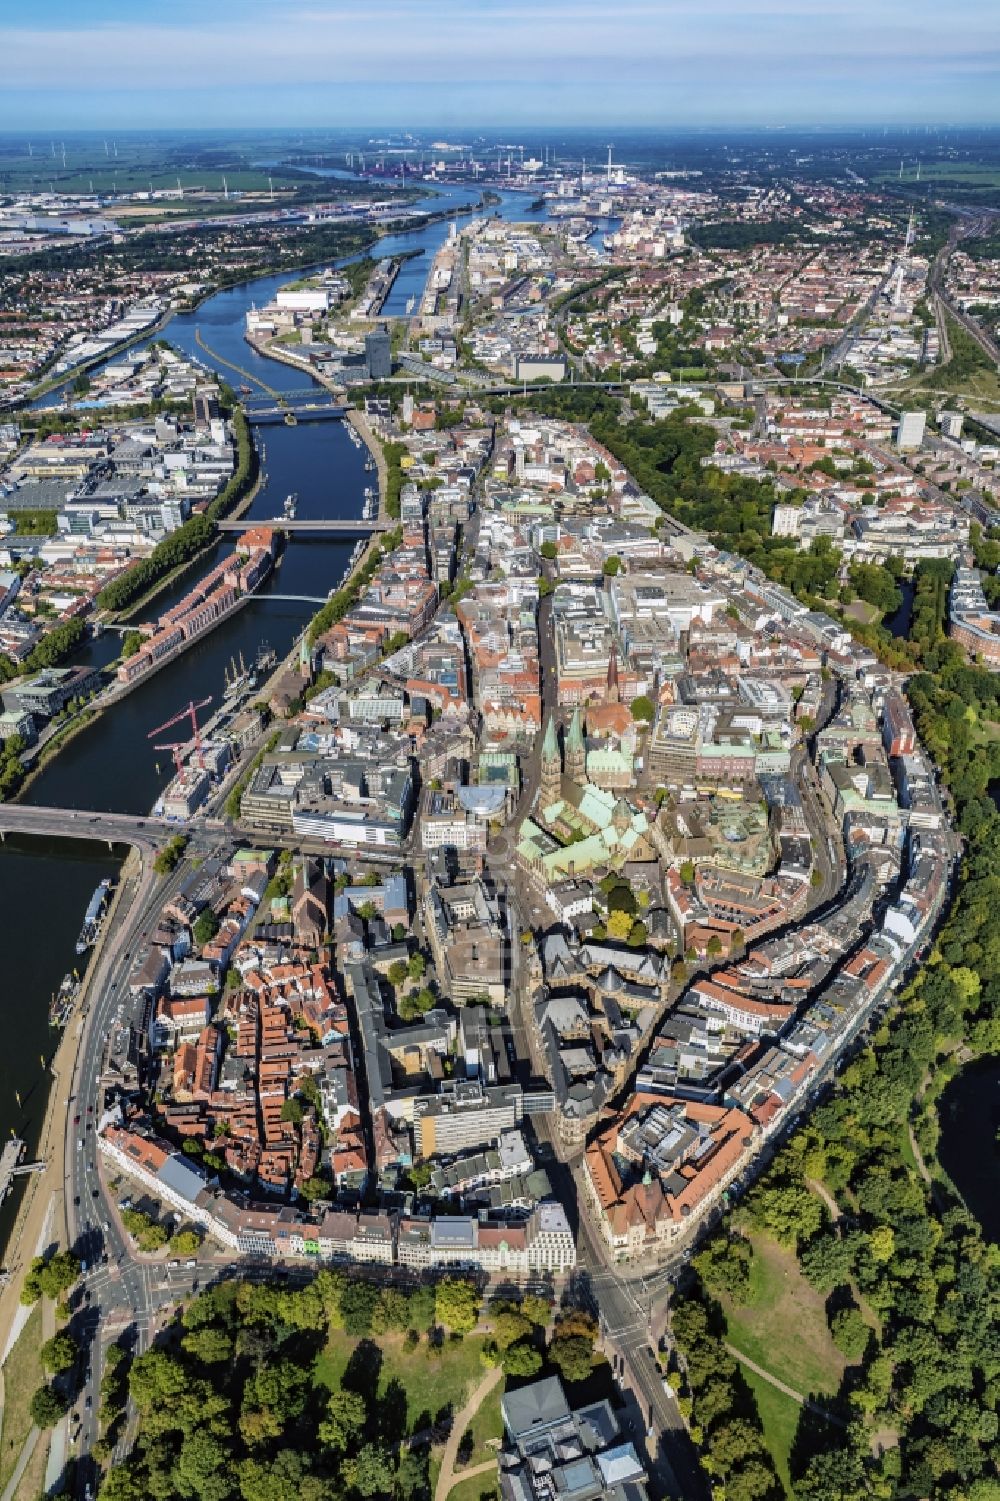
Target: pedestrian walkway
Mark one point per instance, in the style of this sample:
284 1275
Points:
788 1391
826 1196
447 1476
10 1490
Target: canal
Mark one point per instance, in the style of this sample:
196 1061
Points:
45 886
901 618
969 1145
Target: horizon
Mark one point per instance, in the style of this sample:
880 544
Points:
658 63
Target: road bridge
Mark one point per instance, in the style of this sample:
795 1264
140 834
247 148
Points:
79 823
299 528
292 416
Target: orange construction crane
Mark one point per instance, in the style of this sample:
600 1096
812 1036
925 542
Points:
190 711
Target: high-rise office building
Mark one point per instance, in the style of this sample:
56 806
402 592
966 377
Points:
910 433
378 354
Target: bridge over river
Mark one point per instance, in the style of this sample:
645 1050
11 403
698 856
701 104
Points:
303 528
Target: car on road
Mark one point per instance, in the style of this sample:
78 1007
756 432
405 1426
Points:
76 1120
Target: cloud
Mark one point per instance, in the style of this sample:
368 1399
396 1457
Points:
709 50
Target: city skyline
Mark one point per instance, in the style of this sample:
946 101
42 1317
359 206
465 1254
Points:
650 62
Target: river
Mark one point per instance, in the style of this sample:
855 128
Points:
45 886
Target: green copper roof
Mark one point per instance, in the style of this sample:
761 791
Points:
574 740
550 745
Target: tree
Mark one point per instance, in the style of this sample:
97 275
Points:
537 1309
549 550
786 1210
510 1326
46 1406
291 1110
357 1305
850 1332
186 1242
421 1307
202 1469
619 925
521 1359
210 1345
371 1473
643 708
612 566
205 927
412 1479
573 1355
346 1415
58 1353
397 973
456 1304
50 1278
638 934
390 1311
416 965
316 1187
828 1260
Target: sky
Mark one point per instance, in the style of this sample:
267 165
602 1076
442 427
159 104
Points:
100 63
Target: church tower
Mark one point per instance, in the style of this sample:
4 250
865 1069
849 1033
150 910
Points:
576 751
551 765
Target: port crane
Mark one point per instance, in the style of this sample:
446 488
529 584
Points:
190 711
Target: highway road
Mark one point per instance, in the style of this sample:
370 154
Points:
118 1292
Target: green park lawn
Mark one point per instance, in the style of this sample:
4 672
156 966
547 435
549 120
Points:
779 1416
431 1382
22 1375
487 1424
783 1325
476 1488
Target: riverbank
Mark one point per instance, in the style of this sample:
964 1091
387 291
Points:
44 1201
234 512
105 357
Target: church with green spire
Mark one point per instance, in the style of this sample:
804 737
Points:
578 826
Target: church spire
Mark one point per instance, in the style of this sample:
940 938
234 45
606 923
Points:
576 751
551 763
